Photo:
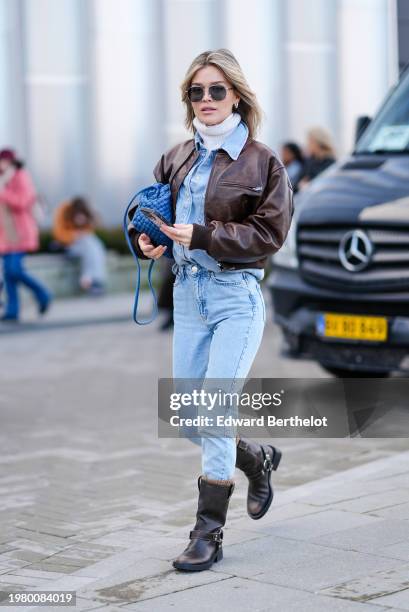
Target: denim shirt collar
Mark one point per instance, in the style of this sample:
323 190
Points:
233 143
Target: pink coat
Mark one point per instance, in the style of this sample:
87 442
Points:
18 228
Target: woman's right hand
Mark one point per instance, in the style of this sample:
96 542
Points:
148 249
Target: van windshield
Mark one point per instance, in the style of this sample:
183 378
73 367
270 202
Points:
388 132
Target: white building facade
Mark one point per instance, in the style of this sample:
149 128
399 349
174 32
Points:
89 89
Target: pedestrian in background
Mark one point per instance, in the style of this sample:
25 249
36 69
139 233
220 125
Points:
233 203
74 227
18 234
294 162
320 154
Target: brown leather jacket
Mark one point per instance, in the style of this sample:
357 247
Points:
248 204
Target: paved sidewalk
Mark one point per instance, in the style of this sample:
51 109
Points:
87 491
80 311
340 543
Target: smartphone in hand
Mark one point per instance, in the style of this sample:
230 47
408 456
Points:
154 216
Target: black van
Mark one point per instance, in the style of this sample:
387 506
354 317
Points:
340 283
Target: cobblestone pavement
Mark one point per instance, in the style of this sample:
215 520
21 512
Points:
83 477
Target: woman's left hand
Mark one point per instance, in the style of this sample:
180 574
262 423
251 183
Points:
179 232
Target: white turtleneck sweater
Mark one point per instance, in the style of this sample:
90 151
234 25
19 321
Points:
214 135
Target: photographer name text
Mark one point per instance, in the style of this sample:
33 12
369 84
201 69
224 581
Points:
261 421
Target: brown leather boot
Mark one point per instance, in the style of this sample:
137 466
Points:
257 461
205 546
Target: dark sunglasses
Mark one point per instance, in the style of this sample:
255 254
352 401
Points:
217 92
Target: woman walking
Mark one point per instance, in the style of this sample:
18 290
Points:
18 234
233 207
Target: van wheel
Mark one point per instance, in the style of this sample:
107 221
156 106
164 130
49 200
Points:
345 373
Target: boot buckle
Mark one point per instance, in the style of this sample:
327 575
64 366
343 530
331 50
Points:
203 535
218 536
267 464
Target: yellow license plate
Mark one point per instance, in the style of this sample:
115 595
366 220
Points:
353 327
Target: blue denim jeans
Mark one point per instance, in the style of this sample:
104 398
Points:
14 274
219 320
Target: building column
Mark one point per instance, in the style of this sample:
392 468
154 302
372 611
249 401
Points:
12 115
55 83
126 99
256 38
310 47
367 34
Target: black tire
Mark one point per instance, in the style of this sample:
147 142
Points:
345 373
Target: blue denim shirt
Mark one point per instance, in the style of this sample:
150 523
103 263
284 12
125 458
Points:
191 197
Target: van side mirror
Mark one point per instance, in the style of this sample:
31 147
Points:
361 124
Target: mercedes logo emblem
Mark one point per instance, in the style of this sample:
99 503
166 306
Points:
355 250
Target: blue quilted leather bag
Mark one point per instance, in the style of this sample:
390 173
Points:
158 197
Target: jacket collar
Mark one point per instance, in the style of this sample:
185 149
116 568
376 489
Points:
233 144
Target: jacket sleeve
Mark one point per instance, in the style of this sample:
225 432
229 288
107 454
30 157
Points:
260 234
160 177
19 194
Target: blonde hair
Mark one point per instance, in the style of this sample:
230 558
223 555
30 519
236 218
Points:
249 108
323 139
